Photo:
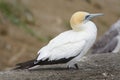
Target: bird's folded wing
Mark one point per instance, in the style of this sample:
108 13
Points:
65 45
66 50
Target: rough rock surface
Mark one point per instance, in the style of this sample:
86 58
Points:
94 67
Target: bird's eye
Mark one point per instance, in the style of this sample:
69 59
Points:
87 16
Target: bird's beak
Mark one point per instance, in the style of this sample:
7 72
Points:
95 15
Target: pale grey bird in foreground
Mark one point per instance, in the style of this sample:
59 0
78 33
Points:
70 46
110 41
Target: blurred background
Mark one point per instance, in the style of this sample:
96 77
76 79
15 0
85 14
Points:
27 25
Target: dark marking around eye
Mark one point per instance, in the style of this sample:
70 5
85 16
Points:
87 16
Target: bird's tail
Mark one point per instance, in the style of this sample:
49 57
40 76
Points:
25 65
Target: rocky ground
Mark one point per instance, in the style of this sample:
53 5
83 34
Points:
93 67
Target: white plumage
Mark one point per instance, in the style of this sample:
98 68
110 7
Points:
69 46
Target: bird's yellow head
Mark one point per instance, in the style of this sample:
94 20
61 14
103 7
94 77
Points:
81 17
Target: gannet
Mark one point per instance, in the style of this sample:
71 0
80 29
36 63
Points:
70 46
109 42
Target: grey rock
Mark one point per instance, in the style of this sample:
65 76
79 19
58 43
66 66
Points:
95 67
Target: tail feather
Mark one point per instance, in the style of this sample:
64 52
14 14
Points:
25 65
34 62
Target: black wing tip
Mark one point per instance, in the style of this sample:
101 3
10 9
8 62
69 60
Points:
32 63
25 65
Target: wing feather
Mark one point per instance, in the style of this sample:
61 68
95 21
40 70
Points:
64 45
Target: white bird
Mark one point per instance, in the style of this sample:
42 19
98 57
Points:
70 46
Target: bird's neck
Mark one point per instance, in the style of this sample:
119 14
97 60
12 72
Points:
87 27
